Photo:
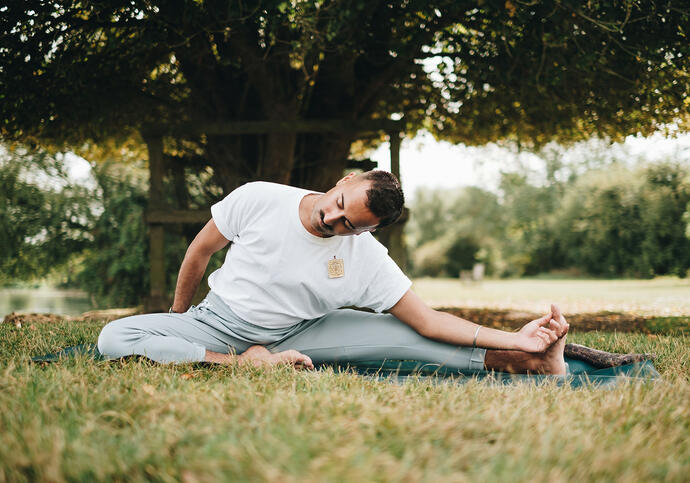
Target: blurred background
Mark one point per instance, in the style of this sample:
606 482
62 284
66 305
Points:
545 140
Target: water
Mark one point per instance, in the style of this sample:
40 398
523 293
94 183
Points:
43 300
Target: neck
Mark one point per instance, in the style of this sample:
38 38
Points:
306 207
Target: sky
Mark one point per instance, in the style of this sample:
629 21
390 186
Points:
439 164
430 163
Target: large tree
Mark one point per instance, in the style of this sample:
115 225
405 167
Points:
88 71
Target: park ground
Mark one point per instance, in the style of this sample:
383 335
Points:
135 421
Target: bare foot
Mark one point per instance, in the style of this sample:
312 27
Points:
553 361
259 356
293 357
519 362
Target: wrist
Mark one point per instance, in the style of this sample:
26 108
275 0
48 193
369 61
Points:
175 309
495 339
476 334
514 341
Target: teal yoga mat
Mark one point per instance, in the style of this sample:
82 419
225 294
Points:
580 373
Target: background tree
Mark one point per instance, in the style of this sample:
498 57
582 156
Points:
96 76
614 220
529 72
44 217
450 230
627 222
86 232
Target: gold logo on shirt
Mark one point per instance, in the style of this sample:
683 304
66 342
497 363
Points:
336 268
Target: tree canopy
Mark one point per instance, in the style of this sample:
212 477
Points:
472 72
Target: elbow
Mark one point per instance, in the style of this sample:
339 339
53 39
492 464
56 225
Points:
425 327
197 253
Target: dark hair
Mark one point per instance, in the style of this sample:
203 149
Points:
385 198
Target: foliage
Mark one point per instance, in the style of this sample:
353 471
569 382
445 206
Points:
521 71
612 221
431 258
600 221
94 76
45 218
529 209
87 234
114 268
450 230
628 222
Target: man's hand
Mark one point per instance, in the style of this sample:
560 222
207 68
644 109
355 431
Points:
208 241
540 334
260 356
558 322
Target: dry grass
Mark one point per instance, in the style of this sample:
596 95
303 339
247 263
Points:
83 420
666 296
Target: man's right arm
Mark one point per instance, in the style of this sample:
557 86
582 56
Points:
207 242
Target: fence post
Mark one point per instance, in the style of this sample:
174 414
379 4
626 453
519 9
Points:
157 300
392 236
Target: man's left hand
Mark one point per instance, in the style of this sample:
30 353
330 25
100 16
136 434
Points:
540 334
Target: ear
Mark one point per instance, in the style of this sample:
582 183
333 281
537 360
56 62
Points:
347 177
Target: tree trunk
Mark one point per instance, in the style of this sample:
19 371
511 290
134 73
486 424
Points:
232 159
313 161
278 158
322 160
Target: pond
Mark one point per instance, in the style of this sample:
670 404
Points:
43 300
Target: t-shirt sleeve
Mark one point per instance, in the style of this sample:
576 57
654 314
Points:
230 214
386 288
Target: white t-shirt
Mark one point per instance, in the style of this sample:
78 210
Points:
276 273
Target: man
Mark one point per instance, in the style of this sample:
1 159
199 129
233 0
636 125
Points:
296 257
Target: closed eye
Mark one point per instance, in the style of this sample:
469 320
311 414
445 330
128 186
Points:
345 220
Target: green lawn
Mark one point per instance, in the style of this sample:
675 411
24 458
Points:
666 296
82 420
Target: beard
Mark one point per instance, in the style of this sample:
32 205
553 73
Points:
321 227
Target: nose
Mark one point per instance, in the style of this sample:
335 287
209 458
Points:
331 217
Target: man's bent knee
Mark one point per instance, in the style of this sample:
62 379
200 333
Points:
112 341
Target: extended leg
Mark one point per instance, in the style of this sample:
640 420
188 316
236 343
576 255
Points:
355 336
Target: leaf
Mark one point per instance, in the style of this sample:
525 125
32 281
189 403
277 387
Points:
511 8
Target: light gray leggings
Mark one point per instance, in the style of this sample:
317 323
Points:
340 336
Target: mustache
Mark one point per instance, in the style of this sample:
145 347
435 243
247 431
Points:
322 214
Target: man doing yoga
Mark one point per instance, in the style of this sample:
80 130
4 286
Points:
295 258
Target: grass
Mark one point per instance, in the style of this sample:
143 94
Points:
81 420
664 296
